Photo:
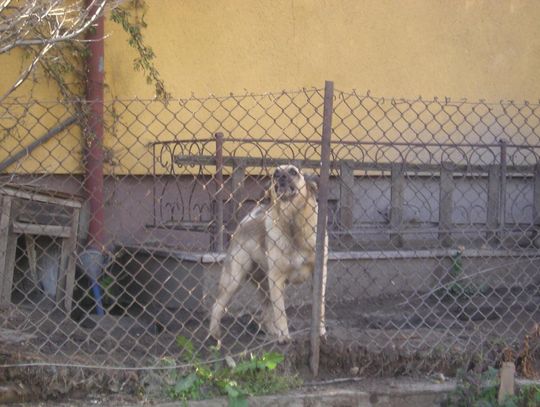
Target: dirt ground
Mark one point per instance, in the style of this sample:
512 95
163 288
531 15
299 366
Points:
377 338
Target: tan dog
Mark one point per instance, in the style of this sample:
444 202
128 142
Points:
273 245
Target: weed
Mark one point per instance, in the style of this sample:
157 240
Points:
528 396
474 389
255 375
458 287
481 390
106 282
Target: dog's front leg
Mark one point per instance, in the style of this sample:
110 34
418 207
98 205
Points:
278 326
278 265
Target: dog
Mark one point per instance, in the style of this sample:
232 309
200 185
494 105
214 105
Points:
274 245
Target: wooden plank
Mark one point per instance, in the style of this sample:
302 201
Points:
8 246
46 230
446 204
507 379
396 204
493 202
5 216
62 273
66 278
503 183
30 242
40 197
185 226
431 254
536 195
346 201
5 296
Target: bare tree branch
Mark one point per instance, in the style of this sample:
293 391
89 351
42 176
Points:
65 23
39 25
22 77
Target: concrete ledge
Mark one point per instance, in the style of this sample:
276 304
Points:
218 257
372 393
296 399
381 395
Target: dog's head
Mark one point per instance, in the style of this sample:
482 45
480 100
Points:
289 183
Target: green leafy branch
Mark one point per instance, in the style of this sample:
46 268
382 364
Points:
64 64
133 25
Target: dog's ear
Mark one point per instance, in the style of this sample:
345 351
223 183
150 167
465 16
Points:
267 195
312 182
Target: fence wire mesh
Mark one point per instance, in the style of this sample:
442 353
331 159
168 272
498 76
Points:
433 217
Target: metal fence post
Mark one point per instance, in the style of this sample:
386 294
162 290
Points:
321 250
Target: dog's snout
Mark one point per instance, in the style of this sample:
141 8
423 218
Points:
282 179
285 183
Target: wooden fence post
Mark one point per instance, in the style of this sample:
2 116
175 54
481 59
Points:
493 202
396 204
446 204
346 202
536 202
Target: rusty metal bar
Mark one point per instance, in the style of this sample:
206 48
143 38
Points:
94 133
352 143
36 143
321 242
154 192
465 169
93 258
219 192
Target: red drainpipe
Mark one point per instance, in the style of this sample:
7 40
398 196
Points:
94 150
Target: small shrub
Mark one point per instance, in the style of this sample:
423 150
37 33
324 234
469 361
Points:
255 375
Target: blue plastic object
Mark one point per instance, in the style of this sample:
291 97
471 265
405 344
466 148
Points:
92 262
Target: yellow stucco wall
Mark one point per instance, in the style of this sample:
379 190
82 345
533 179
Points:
473 48
477 49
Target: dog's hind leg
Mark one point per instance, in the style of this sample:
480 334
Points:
235 269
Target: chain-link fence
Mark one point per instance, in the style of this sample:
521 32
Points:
431 209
